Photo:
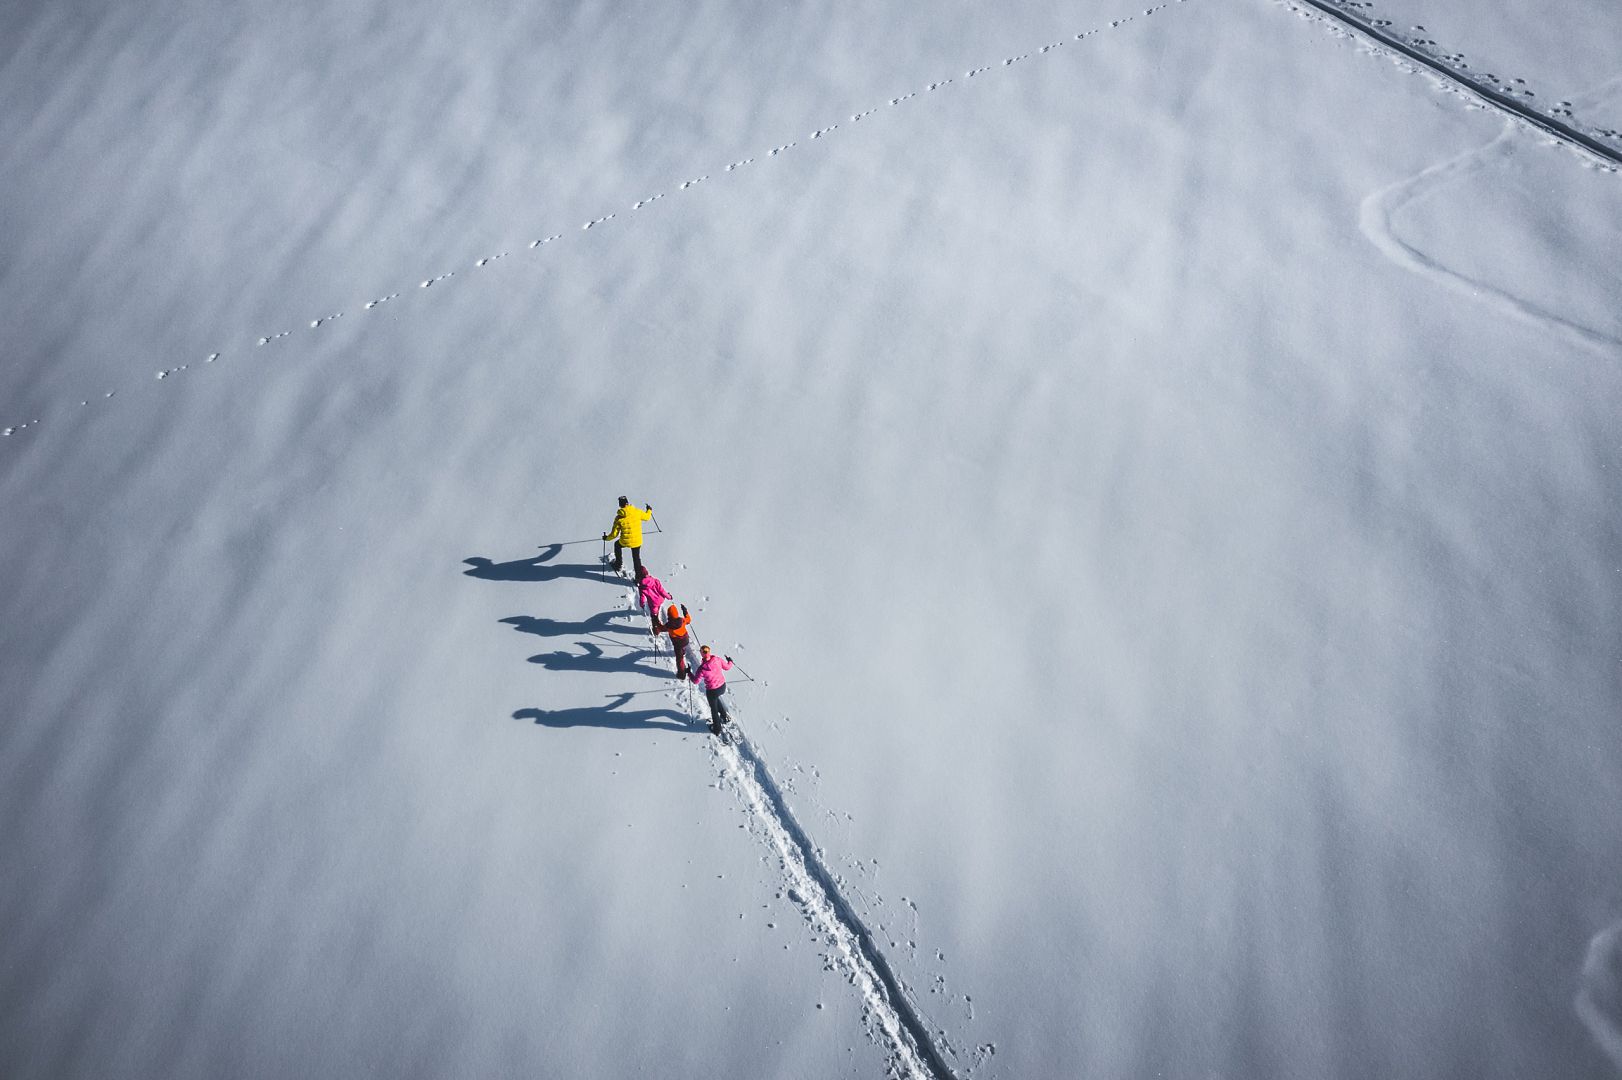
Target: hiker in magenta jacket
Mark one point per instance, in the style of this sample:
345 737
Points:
652 592
712 676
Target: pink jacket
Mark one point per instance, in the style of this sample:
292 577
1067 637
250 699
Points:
712 672
654 593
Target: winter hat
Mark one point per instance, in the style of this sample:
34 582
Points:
624 499
673 612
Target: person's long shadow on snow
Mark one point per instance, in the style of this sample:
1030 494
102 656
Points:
594 659
540 568
602 622
608 717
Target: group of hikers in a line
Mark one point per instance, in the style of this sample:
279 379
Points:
711 668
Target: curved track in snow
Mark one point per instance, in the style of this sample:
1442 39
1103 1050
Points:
1376 221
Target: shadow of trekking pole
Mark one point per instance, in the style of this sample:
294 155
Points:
609 716
539 568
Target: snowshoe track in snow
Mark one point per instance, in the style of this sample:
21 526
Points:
815 890
817 894
816 135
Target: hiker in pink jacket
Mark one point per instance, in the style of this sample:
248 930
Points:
652 592
712 676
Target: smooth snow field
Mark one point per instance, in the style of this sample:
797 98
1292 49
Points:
1157 468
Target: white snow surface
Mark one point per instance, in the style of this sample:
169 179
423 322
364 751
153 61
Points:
1162 489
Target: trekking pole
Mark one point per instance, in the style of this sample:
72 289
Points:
611 641
655 517
569 543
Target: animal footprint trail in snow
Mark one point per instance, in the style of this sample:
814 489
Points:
817 135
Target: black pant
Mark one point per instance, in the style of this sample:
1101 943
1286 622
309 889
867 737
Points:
718 706
619 557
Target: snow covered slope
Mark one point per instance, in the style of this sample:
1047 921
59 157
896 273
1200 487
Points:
1157 466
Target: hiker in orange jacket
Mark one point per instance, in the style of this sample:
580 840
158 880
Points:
678 625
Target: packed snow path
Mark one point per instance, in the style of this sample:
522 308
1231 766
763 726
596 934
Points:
1452 68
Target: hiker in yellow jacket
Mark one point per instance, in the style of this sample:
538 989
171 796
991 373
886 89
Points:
627 533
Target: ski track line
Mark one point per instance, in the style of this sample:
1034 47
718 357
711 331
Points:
815 890
640 204
1487 88
1375 221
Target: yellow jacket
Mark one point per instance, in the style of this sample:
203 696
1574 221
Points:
628 525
